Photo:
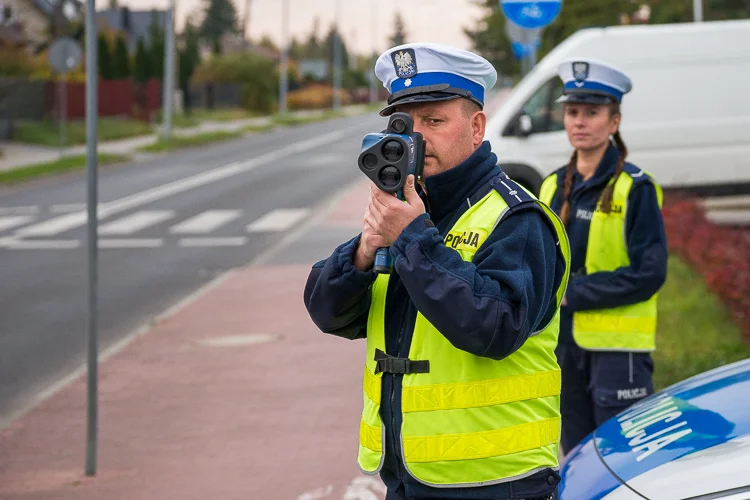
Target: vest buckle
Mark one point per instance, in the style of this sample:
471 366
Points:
391 364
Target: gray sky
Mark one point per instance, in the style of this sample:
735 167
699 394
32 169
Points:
426 20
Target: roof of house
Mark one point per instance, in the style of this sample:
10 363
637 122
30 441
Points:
136 23
48 6
11 35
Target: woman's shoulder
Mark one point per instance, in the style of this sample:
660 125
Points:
558 173
638 174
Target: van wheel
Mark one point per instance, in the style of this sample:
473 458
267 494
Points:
524 175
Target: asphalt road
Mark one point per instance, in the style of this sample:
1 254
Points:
167 226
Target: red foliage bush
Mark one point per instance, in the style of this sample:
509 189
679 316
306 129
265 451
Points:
721 254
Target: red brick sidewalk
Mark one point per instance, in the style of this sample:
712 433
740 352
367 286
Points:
196 410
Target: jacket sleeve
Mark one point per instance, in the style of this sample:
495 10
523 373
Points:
337 294
490 306
647 250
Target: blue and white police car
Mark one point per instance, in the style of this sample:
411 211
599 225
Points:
689 441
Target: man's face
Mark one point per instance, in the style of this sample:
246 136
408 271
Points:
452 130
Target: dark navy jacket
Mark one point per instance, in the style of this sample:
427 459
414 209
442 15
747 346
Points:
504 294
646 242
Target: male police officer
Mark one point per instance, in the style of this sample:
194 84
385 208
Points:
461 385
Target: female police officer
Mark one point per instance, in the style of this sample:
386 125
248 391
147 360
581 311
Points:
612 214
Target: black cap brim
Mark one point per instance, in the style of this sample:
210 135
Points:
586 98
420 98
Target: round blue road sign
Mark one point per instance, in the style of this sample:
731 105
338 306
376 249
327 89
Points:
531 13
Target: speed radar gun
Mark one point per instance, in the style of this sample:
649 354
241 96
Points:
388 158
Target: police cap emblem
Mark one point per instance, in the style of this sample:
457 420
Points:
580 70
405 63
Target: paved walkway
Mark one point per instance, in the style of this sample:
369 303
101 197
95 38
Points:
233 395
236 395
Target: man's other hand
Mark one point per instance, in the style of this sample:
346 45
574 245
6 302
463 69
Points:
388 215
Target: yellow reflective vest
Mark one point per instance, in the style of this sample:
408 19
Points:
471 420
632 327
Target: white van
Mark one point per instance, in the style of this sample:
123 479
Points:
687 119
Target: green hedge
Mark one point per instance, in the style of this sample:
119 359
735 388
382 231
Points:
257 76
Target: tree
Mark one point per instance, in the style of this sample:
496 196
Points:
489 38
121 61
328 45
156 45
267 43
295 49
399 35
142 70
312 48
189 59
220 18
104 58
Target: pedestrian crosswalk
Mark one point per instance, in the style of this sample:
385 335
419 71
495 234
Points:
56 229
278 220
135 222
205 222
12 221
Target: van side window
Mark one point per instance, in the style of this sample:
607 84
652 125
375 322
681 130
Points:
546 115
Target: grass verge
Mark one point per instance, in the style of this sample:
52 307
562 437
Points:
48 132
178 142
223 115
259 128
65 164
291 120
696 331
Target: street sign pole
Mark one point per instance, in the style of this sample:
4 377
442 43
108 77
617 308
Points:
525 21
63 91
168 75
64 55
371 73
284 69
697 11
91 240
337 59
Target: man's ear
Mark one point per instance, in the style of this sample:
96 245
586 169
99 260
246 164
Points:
478 125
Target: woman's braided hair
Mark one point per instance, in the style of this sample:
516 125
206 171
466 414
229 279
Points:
605 202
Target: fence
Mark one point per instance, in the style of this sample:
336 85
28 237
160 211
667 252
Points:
216 95
36 99
115 98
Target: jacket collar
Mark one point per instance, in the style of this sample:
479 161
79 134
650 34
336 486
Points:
447 190
603 173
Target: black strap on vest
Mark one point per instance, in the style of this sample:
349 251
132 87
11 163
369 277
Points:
392 364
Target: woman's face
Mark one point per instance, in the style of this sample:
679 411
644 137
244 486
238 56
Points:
589 125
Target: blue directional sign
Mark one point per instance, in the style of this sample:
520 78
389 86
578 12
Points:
521 50
531 13
523 41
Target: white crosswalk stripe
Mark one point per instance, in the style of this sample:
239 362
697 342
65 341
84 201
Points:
278 220
42 244
205 229
236 241
54 226
24 210
135 222
12 221
205 222
68 207
131 243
